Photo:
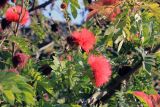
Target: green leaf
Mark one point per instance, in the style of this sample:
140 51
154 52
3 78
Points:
85 2
16 85
28 98
38 30
21 42
74 11
46 86
67 1
9 96
74 105
75 3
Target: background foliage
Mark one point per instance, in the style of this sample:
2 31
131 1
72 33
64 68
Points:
131 42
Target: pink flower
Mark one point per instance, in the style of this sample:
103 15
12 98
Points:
85 39
145 97
101 69
20 60
17 14
2 3
109 2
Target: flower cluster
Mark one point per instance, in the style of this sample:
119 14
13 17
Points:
21 16
84 38
100 66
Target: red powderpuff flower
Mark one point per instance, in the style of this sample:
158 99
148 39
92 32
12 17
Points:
17 14
109 2
2 3
101 69
20 60
85 39
144 97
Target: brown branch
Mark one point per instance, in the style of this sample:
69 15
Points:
41 6
115 84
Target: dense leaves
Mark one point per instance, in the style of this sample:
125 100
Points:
112 59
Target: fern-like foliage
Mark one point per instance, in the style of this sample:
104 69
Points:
14 89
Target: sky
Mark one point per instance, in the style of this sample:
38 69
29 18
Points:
56 14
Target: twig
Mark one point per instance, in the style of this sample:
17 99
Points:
42 49
41 6
96 96
2 42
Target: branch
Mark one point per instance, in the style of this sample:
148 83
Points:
41 6
114 85
43 48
